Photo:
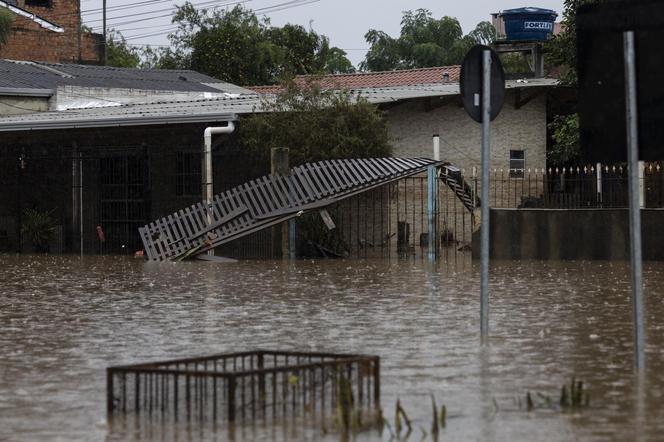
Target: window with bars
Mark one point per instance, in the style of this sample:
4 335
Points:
188 174
37 3
517 163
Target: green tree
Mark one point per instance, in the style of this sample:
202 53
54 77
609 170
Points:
424 42
484 33
562 53
562 47
119 54
565 136
338 63
238 47
315 125
6 19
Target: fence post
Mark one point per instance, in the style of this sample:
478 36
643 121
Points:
376 376
109 391
598 171
432 206
279 165
642 184
231 398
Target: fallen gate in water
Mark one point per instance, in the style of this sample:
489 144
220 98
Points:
238 386
272 199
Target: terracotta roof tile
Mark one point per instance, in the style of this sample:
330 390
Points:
364 80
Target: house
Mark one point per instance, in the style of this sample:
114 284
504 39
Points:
51 31
117 148
128 137
420 103
28 86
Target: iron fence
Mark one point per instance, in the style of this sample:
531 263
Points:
592 186
392 221
240 386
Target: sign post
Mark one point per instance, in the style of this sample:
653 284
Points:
483 92
486 133
634 199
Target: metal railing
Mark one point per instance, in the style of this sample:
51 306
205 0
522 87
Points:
574 187
238 386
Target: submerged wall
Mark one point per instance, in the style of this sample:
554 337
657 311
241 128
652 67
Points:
590 234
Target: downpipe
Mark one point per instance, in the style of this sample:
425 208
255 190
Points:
208 182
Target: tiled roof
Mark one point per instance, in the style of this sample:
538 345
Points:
38 75
364 80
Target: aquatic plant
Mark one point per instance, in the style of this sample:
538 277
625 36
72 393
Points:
399 414
574 396
38 228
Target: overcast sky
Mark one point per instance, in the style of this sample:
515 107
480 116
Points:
344 21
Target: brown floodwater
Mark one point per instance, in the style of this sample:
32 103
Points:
64 320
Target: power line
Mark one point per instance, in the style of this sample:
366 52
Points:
275 8
143 3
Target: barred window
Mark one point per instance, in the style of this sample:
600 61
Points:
188 174
517 163
37 3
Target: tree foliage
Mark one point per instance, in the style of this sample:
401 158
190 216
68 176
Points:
562 53
565 136
119 54
6 19
315 125
562 47
424 42
238 47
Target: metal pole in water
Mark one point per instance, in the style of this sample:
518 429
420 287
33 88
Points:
80 202
634 203
486 124
432 207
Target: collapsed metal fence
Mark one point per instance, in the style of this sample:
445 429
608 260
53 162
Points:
249 385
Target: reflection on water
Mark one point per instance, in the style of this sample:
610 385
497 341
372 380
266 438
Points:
64 320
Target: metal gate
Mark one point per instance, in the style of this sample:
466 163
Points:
123 201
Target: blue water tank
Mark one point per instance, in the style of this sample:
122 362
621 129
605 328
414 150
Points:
527 24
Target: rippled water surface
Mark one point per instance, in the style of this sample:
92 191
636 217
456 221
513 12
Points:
64 320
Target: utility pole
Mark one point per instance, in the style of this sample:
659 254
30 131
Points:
105 41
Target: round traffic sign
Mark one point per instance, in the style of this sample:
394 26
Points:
471 83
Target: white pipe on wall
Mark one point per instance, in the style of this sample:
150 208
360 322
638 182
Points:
208 183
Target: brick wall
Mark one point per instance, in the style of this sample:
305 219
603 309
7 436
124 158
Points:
30 41
412 126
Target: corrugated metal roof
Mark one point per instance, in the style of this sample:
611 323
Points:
210 110
38 75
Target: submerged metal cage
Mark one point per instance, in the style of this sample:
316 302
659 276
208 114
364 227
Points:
237 386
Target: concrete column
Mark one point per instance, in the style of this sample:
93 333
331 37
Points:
279 165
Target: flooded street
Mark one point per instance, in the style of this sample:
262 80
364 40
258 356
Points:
64 320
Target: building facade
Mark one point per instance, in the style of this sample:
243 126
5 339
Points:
50 31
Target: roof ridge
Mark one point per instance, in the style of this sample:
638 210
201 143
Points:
196 100
393 71
118 68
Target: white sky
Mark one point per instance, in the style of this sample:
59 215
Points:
344 21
